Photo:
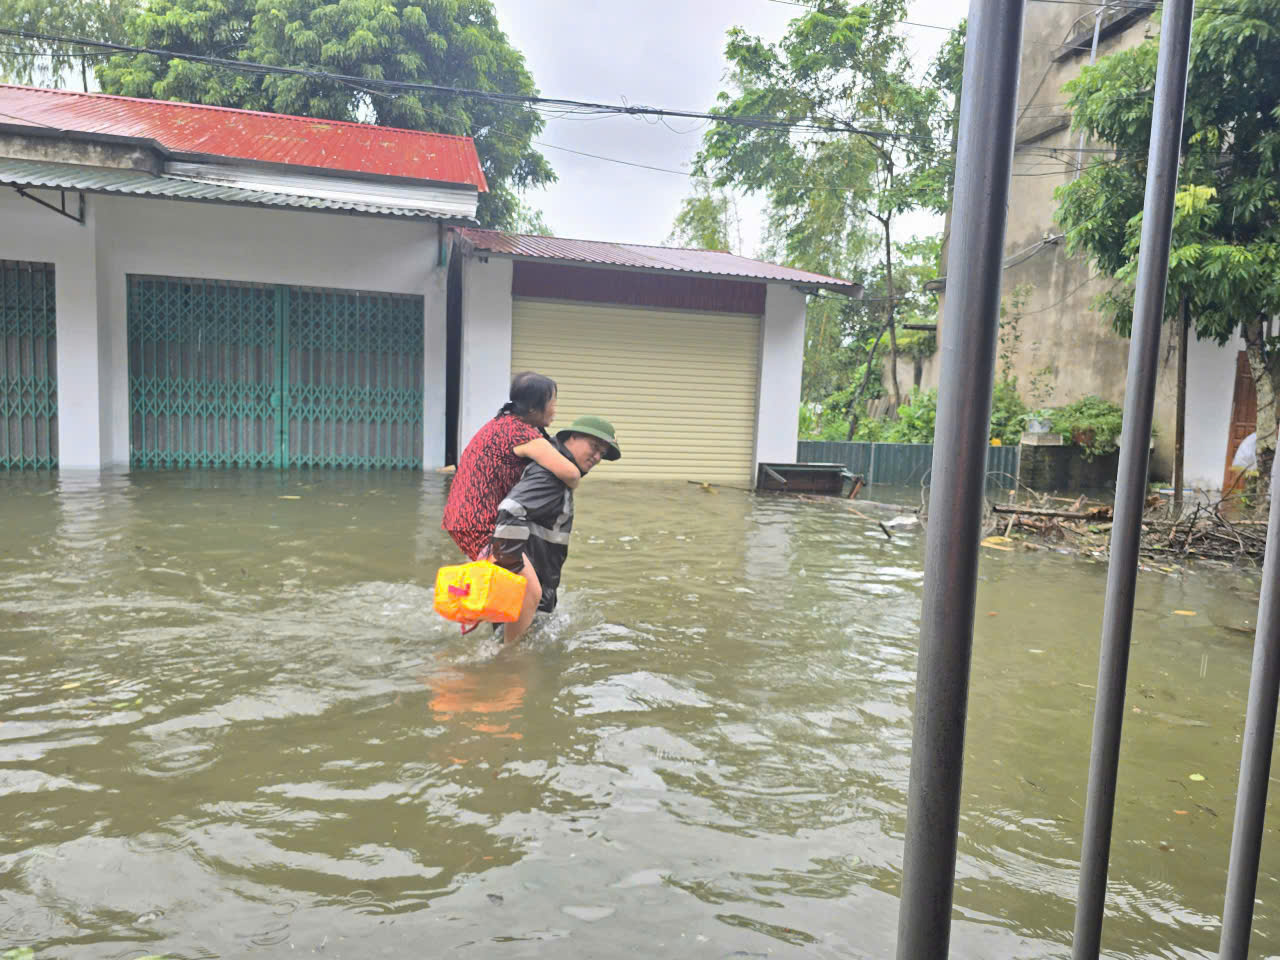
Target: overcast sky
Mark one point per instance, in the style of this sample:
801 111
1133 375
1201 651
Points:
667 53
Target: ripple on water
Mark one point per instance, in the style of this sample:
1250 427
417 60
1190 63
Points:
160 841
274 932
369 904
257 811
173 758
634 692
414 773
141 953
797 938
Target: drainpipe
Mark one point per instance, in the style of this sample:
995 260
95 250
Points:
984 161
1131 481
1093 58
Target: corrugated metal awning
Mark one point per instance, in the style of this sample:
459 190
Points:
39 174
634 256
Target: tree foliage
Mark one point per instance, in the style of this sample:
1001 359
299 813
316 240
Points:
1225 262
876 143
530 220
449 42
842 335
55 64
707 220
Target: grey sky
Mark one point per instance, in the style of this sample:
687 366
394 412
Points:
666 53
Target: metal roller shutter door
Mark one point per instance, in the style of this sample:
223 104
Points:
227 374
680 387
28 366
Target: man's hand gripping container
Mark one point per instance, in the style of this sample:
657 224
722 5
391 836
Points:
479 591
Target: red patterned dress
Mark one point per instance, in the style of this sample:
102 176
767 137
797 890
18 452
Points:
487 470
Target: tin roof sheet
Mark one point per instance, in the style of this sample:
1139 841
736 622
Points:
41 174
195 129
638 256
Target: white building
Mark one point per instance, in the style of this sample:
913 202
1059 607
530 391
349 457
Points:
695 356
205 287
190 287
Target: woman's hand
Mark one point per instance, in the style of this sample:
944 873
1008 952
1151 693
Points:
542 452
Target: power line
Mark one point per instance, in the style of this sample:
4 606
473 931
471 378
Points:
569 108
530 100
1137 5
380 87
629 163
1067 296
910 23
1055 172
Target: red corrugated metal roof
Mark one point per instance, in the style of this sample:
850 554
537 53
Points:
187 128
711 262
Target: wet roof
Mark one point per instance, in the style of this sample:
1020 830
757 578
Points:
195 129
638 256
65 176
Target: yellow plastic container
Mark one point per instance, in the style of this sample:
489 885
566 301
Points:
479 591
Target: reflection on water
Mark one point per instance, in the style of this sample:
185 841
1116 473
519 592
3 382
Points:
230 724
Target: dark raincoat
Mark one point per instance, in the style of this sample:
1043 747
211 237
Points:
535 520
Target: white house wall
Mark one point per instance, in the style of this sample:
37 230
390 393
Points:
127 235
486 343
1211 377
30 232
781 366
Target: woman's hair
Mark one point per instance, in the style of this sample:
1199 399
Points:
529 392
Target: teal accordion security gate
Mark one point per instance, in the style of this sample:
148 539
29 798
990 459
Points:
225 374
28 367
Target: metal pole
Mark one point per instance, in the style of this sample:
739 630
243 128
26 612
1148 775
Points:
984 159
1131 483
1255 761
1180 412
1093 58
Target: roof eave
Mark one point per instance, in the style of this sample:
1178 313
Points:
150 143
849 289
444 220
269 167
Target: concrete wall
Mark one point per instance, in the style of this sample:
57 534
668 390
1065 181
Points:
1211 377
1064 347
136 235
31 232
781 367
486 343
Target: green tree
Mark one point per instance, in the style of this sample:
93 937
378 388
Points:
707 220
1225 262
875 144
530 220
895 289
448 42
53 64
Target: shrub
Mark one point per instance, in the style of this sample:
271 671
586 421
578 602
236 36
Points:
1008 413
1091 423
916 418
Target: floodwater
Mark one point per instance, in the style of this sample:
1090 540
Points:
231 726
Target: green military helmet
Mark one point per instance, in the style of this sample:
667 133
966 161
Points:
597 427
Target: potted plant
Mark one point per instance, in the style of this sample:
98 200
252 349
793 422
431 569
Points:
1039 421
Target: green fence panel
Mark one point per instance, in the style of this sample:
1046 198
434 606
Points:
203 371
354 379
28 367
903 464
